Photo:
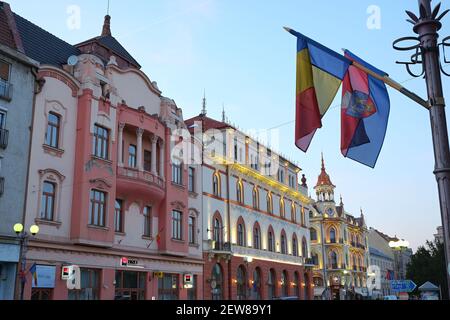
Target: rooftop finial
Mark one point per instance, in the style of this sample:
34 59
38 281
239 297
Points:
342 202
323 163
107 26
224 118
107 11
204 104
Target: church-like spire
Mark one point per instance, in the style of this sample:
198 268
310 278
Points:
107 26
204 104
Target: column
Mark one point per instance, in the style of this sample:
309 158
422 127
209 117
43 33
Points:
161 159
139 133
154 140
120 147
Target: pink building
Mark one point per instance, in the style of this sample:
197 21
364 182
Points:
102 186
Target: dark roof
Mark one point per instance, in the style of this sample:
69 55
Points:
41 45
6 36
111 43
208 123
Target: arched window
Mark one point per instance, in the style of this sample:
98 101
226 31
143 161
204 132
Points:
269 203
333 235
256 237
294 246
255 198
256 285
360 263
315 258
293 213
296 284
241 278
333 260
284 284
305 248
240 192
303 217
241 234
282 209
271 284
48 201
313 234
217 232
283 243
271 240
216 184
307 287
217 278
355 265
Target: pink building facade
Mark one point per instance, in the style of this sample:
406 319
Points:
102 186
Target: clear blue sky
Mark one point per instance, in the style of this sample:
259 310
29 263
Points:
239 53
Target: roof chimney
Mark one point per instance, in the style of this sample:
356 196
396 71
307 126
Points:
107 26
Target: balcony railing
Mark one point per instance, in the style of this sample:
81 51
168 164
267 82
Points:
4 135
135 174
6 90
2 186
267 255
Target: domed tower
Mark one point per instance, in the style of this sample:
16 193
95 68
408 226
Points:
324 187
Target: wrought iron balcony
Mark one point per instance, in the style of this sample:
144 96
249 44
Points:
4 135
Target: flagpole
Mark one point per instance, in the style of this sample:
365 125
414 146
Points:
393 84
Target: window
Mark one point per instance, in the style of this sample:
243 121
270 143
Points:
269 203
256 287
177 173
282 209
147 161
293 213
191 179
296 284
168 287
130 285
240 192
177 225
283 244
332 235
271 242
333 260
4 78
192 229
2 119
3 132
98 208
192 292
118 216
132 156
216 276
216 185
313 234
241 235
305 248
284 284
217 233
255 198
48 201
271 284
41 294
147 221
101 142
256 237
241 278
294 246
89 286
53 127
235 149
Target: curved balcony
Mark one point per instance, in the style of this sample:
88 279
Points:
135 183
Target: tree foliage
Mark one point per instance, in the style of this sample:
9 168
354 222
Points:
428 264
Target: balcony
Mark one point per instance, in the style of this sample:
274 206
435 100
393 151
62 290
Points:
5 90
4 135
2 186
137 183
267 255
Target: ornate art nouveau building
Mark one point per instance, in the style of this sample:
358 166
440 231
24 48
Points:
338 245
255 222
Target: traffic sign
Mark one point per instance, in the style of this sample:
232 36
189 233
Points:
403 285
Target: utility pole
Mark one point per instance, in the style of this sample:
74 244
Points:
427 28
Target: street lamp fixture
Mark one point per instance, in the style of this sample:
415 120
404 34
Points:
23 237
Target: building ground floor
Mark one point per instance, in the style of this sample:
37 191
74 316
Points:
340 285
110 274
228 277
9 257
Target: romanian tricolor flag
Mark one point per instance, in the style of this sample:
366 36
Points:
319 75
